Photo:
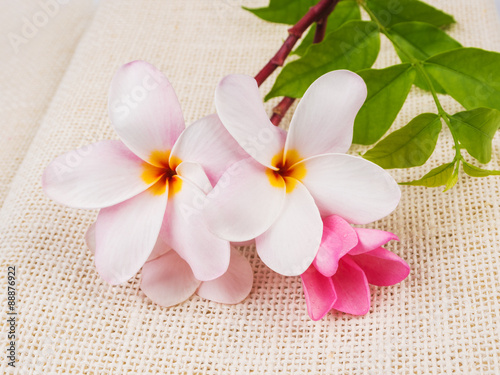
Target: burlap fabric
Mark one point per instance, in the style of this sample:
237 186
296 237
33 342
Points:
443 319
37 42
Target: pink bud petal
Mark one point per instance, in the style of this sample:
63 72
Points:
382 267
319 293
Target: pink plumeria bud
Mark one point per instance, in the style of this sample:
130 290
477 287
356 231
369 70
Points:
348 260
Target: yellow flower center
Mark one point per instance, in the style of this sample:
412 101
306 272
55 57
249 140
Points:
288 173
161 171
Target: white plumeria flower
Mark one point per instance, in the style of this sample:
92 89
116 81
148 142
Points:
294 179
154 175
168 280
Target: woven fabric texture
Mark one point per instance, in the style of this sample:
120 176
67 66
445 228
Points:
443 319
38 39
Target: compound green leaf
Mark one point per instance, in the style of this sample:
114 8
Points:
470 75
474 171
436 177
452 181
409 146
387 89
391 12
475 130
419 41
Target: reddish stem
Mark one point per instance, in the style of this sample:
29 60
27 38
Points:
280 110
315 13
284 105
319 35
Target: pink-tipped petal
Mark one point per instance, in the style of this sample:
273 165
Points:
289 246
185 230
319 293
126 235
324 119
382 267
353 292
95 176
244 204
194 173
160 248
168 280
338 238
353 188
144 110
232 287
90 238
371 239
208 143
239 106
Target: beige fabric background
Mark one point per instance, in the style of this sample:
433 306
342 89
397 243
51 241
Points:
443 319
37 43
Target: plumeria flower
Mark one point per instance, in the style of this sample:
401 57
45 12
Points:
148 183
348 260
168 280
294 179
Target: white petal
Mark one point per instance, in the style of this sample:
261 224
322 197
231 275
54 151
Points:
244 204
159 249
194 172
144 109
98 175
168 280
232 287
290 245
208 143
353 188
324 119
239 106
185 230
126 235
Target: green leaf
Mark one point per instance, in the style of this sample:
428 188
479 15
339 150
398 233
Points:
470 75
409 146
475 130
391 12
436 177
344 12
283 11
388 89
452 181
421 40
474 171
354 46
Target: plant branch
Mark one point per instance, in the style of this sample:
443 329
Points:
315 13
281 109
284 105
320 32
